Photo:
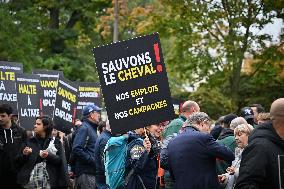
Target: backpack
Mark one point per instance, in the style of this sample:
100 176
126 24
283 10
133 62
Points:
115 157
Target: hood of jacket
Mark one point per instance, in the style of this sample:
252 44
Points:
266 131
7 138
225 133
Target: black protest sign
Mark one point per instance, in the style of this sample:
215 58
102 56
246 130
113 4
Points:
65 105
134 83
48 83
88 93
28 88
8 93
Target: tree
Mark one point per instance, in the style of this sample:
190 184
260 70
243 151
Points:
57 35
210 40
132 17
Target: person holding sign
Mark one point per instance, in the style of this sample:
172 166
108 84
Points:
142 161
11 138
83 149
42 159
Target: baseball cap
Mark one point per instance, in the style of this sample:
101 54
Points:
247 113
90 108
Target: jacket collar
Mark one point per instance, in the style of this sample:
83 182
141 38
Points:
92 124
183 118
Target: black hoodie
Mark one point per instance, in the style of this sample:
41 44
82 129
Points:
11 141
259 165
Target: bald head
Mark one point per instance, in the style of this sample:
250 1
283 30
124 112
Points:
190 106
277 116
277 109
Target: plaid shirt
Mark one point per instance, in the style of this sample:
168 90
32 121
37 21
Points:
39 177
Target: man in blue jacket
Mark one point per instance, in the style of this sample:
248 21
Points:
83 150
192 155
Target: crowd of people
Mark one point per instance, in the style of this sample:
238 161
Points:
189 152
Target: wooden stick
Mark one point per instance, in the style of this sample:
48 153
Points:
145 132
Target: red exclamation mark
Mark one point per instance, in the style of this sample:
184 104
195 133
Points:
158 59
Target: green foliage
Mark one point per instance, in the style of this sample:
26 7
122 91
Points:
208 41
213 102
56 35
204 43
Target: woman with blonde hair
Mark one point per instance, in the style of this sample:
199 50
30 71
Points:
241 134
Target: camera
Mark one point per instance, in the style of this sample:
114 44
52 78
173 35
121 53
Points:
155 146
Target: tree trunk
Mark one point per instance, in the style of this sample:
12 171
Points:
56 42
115 24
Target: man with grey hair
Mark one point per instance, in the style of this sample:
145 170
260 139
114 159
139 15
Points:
195 119
193 153
259 167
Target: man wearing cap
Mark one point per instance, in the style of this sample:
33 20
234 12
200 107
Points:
83 150
259 165
247 113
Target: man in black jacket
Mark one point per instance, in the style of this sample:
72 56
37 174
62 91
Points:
11 139
99 157
259 167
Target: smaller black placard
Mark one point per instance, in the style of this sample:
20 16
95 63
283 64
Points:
88 93
65 105
28 88
8 93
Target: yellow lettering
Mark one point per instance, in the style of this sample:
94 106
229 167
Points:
134 74
127 74
27 89
152 69
66 94
48 84
130 112
147 108
7 76
119 76
140 71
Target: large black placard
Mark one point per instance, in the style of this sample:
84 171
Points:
65 105
134 83
28 88
8 93
88 93
48 83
